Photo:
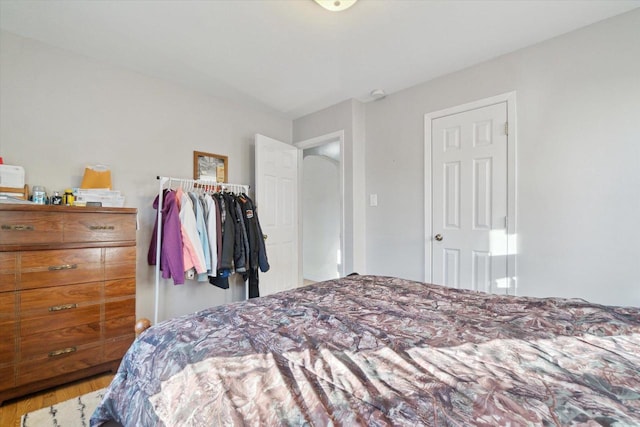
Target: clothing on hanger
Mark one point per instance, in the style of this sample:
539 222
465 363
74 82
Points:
171 259
210 208
257 250
213 234
198 211
192 249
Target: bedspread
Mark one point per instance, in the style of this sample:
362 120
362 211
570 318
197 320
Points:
377 351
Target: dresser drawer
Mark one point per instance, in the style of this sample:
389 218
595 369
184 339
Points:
59 299
8 375
7 342
121 326
92 227
60 267
120 288
115 349
66 360
7 305
121 308
120 263
7 271
120 317
30 227
40 345
59 319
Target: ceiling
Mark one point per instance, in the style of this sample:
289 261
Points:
291 57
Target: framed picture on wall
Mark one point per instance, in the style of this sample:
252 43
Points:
211 167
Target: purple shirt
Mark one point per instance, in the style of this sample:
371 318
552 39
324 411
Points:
171 261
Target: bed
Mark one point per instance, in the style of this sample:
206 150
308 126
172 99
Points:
377 351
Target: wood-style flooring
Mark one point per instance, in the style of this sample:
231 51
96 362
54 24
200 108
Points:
12 410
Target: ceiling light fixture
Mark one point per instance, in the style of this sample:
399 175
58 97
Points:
336 5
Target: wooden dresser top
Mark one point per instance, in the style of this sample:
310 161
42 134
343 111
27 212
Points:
32 207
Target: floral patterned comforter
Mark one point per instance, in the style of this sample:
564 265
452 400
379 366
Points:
377 351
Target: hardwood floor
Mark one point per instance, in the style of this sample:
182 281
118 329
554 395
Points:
12 410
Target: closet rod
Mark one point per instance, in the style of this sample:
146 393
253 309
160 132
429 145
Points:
204 182
163 180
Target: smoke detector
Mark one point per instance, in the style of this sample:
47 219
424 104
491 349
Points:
377 94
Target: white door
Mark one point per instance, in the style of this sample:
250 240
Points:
277 207
469 199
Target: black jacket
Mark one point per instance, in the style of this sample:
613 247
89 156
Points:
257 250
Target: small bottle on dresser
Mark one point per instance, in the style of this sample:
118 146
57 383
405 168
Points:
56 199
68 197
39 195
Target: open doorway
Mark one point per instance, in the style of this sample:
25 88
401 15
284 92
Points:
321 213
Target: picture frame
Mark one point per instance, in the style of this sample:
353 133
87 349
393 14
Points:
209 166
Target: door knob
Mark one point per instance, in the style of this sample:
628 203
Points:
438 237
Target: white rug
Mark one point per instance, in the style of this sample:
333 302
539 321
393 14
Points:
74 412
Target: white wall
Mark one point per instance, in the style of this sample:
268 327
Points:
60 111
578 100
578 163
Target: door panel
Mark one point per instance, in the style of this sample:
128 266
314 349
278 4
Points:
451 267
469 198
452 195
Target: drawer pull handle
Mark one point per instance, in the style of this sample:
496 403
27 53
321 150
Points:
17 227
101 227
63 267
62 351
63 307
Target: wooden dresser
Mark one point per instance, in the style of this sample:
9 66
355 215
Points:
67 293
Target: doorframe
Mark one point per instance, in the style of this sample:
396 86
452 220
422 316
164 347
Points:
311 143
510 99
